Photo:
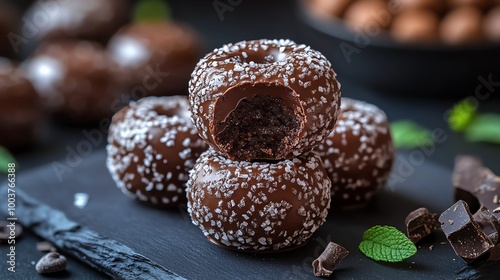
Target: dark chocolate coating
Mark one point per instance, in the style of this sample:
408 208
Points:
258 206
301 77
168 49
333 254
95 20
477 185
358 154
152 145
76 80
420 223
21 113
464 234
9 28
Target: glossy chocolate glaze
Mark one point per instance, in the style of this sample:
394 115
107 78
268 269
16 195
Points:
76 80
21 113
358 154
258 206
274 62
152 145
170 49
95 20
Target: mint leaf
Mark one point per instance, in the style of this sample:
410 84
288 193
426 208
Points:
386 243
407 134
5 159
485 128
151 10
461 115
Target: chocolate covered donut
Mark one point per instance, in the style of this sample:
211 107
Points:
358 155
20 108
94 20
76 80
152 144
258 206
156 57
264 99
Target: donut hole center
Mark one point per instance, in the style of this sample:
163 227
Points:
258 122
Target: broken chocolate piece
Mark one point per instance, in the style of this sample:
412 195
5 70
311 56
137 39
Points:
488 223
476 185
465 235
420 223
332 255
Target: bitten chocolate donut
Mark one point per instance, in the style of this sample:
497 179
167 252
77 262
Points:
76 80
258 206
20 108
152 144
358 155
157 57
264 99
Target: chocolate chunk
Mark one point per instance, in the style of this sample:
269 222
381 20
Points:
476 185
329 259
50 263
420 223
465 235
488 223
9 230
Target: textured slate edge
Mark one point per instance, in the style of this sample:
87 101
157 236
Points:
101 253
481 271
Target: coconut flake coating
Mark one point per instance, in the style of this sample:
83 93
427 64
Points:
307 74
358 154
152 144
258 206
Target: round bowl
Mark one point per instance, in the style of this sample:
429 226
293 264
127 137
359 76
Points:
386 65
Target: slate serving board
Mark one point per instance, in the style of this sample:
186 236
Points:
169 240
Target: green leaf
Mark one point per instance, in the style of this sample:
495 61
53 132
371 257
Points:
151 10
461 115
5 159
407 134
386 243
484 128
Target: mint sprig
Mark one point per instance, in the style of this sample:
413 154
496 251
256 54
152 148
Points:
386 243
151 10
5 159
407 134
484 128
461 115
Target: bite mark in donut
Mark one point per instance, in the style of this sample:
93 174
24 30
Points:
293 79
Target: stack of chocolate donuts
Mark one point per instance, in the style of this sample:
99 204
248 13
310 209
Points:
263 116
262 106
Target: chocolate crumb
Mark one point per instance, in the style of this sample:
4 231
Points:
332 255
443 243
420 223
451 221
431 247
45 246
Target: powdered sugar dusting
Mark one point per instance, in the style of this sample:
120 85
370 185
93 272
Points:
257 205
147 143
283 62
358 154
